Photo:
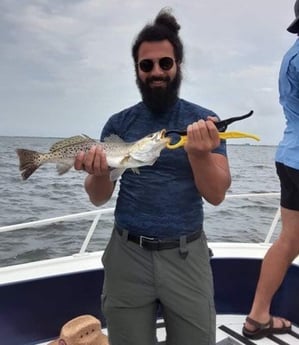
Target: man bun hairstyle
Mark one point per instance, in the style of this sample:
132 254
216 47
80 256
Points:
164 18
164 27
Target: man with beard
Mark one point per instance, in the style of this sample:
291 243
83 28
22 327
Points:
157 256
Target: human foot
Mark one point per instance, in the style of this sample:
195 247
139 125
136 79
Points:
256 330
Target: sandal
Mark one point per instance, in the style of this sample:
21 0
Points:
264 329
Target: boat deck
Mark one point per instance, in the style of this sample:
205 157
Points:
42 283
229 332
74 283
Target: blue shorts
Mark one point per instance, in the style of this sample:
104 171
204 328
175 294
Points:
289 185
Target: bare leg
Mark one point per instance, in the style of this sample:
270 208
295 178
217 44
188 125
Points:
274 267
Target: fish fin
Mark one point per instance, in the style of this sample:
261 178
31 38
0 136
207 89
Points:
136 171
62 168
75 140
29 162
86 136
125 160
116 173
152 162
113 138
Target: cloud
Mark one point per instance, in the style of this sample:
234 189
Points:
66 65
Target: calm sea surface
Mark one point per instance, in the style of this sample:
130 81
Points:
47 195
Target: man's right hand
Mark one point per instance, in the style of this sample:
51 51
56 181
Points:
93 161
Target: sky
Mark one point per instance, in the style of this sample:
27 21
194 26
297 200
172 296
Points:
66 66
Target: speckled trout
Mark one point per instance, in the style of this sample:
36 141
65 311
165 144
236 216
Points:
120 155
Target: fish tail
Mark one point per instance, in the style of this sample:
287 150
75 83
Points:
29 162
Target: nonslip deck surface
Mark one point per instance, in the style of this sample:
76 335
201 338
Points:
229 332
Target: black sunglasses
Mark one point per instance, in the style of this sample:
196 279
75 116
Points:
147 65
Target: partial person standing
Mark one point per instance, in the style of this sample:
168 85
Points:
157 255
259 322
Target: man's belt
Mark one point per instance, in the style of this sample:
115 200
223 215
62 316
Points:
155 243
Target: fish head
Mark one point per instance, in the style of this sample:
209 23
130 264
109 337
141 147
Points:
148 149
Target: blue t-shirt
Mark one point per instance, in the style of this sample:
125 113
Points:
288 149
162 200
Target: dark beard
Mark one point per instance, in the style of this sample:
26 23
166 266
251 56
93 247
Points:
159 99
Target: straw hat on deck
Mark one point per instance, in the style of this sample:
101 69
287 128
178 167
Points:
82 330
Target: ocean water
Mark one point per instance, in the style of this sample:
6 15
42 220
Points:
47 195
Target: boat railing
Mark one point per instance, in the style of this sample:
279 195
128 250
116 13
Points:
97 215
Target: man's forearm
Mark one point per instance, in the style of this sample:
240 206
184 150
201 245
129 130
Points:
99 189
211 176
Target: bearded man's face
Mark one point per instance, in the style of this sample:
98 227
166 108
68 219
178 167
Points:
158 75
159 98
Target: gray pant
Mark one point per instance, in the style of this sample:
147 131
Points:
137 280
